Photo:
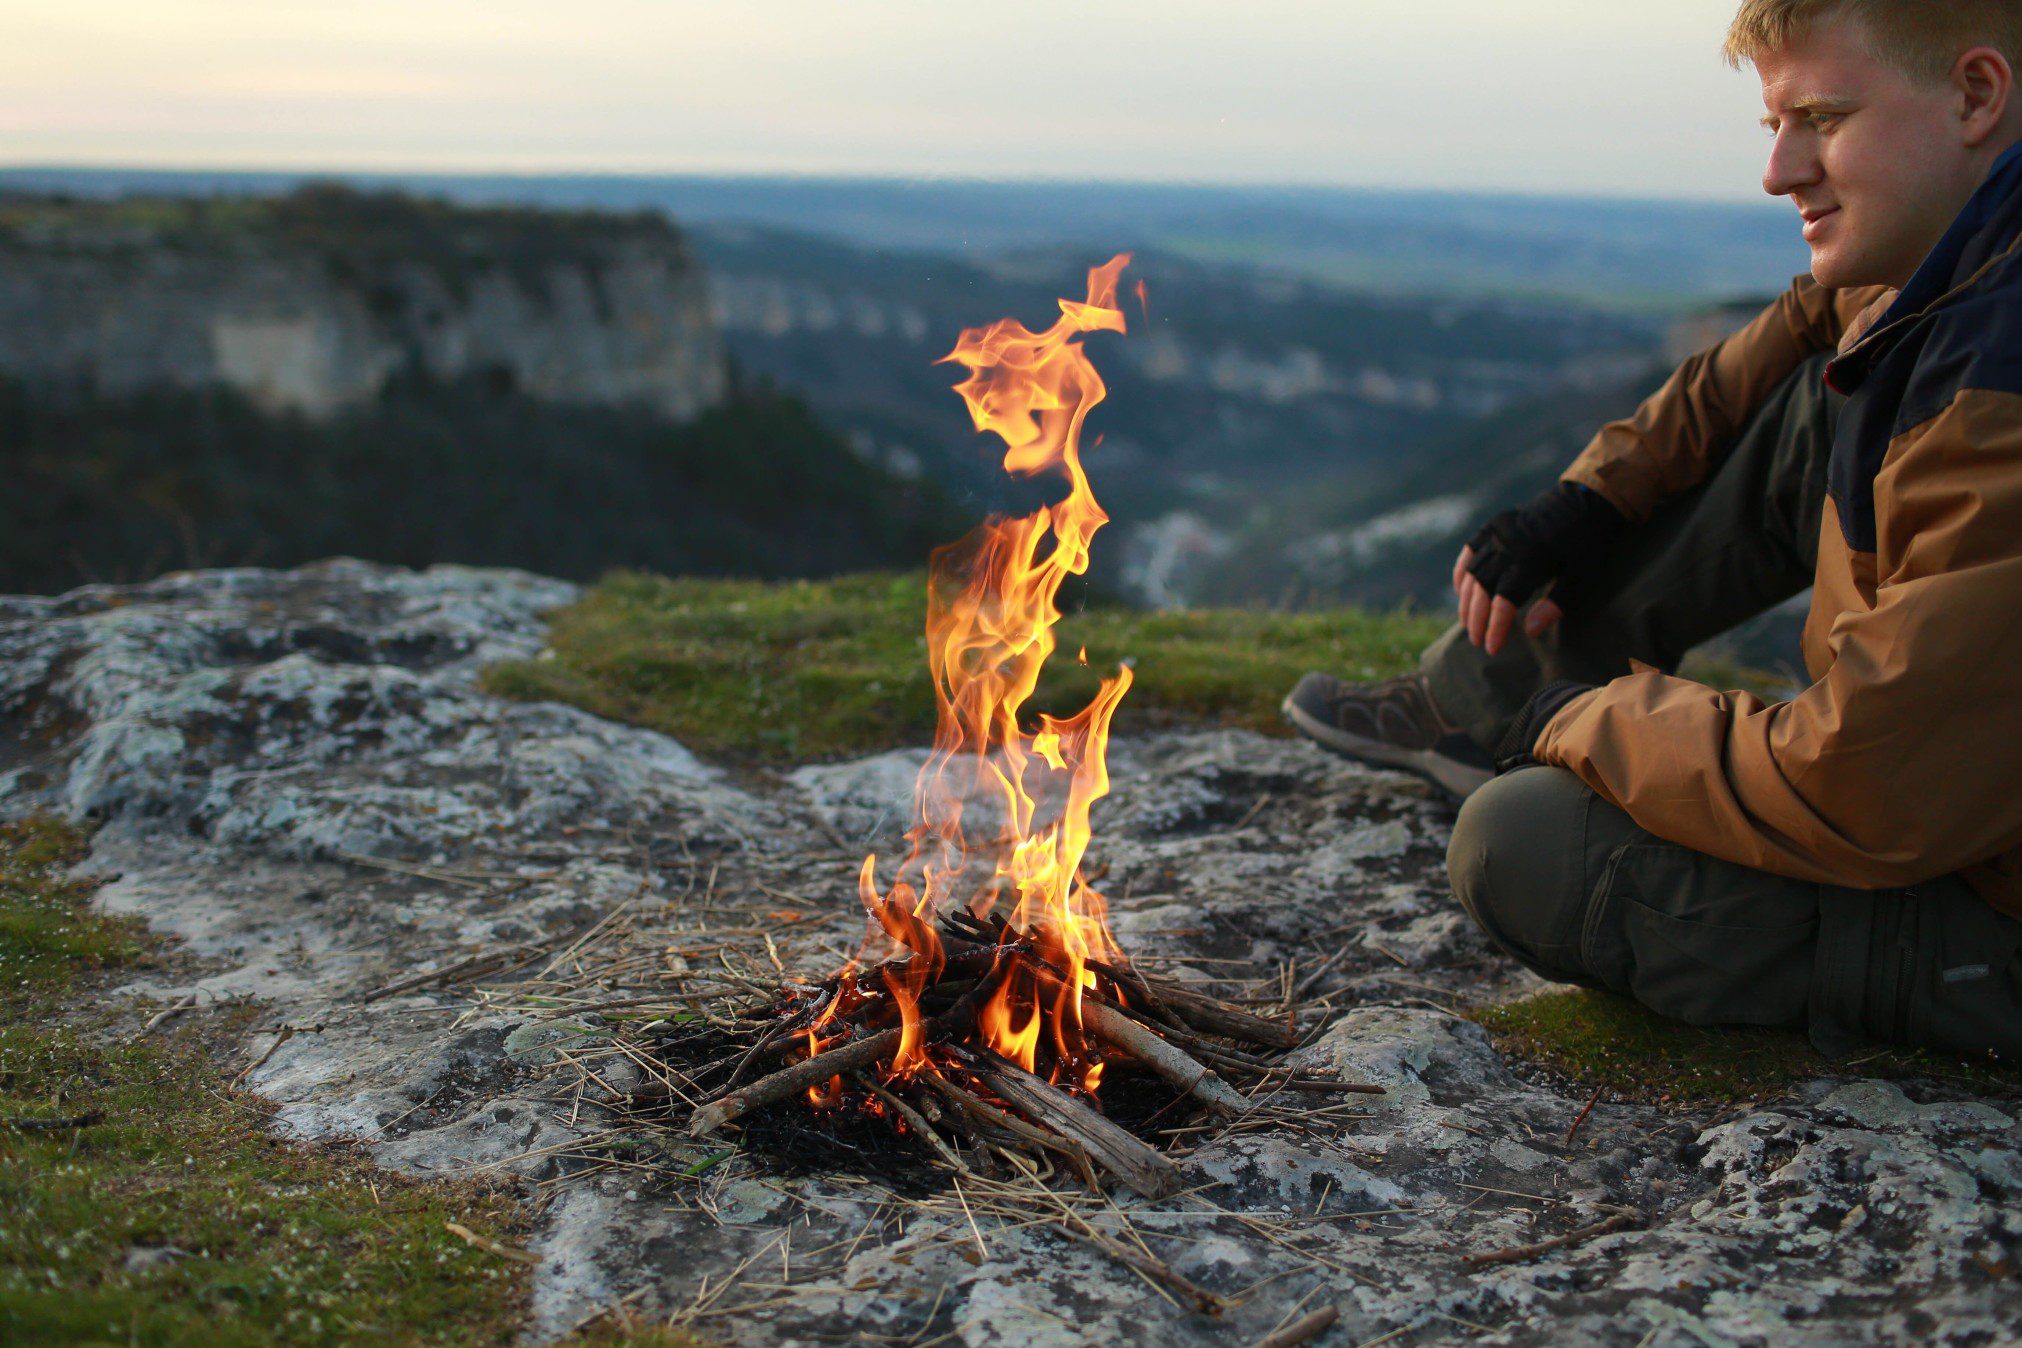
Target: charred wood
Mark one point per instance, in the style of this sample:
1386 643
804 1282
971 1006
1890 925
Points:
1147 1172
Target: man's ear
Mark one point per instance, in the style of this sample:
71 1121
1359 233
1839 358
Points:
1985 85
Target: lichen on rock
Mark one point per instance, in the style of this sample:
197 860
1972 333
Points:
295 773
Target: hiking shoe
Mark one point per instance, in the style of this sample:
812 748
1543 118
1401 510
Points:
1392 724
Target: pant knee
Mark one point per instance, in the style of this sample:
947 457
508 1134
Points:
1516 861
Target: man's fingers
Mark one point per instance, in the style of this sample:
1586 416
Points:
1474 610
1501 617
1541 616
1460 567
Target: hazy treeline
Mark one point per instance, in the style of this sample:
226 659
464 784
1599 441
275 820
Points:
124 488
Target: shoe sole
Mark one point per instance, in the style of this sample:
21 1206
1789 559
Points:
1457 779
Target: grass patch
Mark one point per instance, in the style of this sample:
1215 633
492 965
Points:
1599 1039
174 1219
787 673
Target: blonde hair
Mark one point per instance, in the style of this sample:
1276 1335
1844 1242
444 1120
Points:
1921 38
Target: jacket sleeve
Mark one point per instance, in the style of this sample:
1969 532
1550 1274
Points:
1682 430
1900 763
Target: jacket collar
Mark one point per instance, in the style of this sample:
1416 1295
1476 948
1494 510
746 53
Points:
1981 234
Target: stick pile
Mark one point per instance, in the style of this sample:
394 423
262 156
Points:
969 1102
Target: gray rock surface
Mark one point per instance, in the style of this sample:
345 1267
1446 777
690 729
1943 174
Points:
297 776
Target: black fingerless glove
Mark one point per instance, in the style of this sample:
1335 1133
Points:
1520 741
1565 530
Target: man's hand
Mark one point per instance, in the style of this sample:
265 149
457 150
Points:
1489 617
1522 552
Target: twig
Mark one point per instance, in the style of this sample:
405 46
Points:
859 1052
986 1113
490 1246
772 1039
1166 1059
1312 977
287 1033
1147 1172
1214 1017
1149 1265
974 1230
424 872
476 966
1134 983
1516 1254
84 1120
917 1123
1325 1086
1303 1330
1582 1118
163 1015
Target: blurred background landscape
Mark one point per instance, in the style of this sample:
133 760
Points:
1325 389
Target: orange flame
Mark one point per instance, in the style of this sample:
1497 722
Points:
821 1097
990 616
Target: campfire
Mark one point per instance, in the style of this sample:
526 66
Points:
990 995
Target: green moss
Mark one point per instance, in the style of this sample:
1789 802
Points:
789 672
173 1218
46 937
1597 1039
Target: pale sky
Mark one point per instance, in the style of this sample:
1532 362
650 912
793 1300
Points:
1617 97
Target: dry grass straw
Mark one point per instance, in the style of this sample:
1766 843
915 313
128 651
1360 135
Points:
702 946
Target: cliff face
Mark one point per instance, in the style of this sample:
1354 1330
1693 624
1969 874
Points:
312 302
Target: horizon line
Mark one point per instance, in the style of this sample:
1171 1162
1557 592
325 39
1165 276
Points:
887 178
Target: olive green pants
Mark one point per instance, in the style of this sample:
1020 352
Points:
1570 886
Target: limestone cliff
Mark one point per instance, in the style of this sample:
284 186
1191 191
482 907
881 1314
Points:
311 302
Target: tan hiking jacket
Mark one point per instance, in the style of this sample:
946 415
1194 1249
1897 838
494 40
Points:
1903 759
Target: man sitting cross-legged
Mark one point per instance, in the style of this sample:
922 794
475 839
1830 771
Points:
1849 861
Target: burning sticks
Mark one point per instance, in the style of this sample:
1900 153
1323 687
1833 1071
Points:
1142 1043
1137 1165
1012 997
859 1022
862 1051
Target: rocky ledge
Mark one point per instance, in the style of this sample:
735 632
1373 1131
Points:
297 776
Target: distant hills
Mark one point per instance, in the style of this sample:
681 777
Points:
1391 538
1323 391
1661 254
1231 386
312 300
220 381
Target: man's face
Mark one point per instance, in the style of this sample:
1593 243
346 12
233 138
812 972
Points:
1873 160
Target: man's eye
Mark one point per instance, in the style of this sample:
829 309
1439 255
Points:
1824 121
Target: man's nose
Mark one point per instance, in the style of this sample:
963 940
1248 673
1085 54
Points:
1793 162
